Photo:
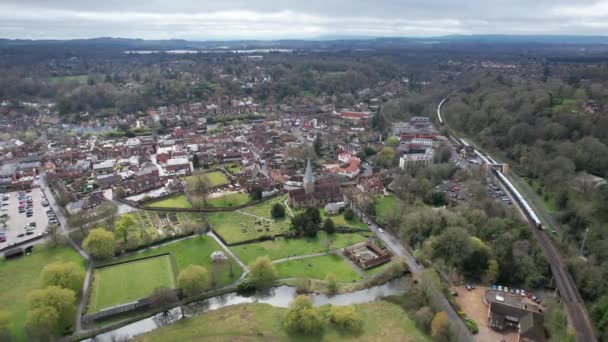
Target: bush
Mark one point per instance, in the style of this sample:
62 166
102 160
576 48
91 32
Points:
277 211
302 318
349 214
346 317
423 318
471 325
247 286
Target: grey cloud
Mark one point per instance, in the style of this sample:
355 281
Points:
199 19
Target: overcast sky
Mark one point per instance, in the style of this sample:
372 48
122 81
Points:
264 19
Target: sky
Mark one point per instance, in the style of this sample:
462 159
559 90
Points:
299 19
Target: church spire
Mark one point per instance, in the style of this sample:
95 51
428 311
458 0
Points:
309 179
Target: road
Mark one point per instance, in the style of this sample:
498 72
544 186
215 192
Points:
575 307
393 243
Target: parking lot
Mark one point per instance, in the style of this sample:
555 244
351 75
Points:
15 230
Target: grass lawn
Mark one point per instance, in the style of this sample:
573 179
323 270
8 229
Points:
129 282
231 200
283 248
263 209
174 201
193 251
215 178
340 221
318 268
385 207
383 321
234 226
20 276
373 271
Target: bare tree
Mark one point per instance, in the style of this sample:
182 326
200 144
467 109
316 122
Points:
53 230
164 299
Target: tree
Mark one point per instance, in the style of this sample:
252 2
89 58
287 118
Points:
262 272
100 243
439 326
42 323
442 154
53 230
318 145
195 161
198 187
306 223
193 280
164 299
63 301
332 285
393 141
423 318
346 317
492 272
302 318
385 156
67 275
277 211
125 225
349 214
328 226
255 193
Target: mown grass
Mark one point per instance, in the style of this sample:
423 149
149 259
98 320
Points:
20 276
175 201
194 251
282 248
382 321
318 268
227 201
128 282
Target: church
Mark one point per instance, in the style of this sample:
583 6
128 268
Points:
314 195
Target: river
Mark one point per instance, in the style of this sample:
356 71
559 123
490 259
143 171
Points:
279 296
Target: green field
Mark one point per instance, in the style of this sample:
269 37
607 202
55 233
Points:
386 207
20 276
234 226
193 251
231 200
318 268
215 178
174 201
383 321
128 282
282 248
340 221
263 209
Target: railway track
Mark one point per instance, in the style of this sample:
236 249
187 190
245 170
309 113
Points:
575 307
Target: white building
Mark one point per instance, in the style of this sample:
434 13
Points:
416 161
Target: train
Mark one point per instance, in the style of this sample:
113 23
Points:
530 214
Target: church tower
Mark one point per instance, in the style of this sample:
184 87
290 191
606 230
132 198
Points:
309 179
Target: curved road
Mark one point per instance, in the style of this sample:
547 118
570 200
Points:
575 307
393 243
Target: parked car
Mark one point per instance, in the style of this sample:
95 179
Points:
468 287
499 287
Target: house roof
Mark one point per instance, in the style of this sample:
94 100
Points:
531 327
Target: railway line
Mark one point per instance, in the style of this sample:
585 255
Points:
575 307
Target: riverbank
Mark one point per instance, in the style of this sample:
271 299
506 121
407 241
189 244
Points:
383 321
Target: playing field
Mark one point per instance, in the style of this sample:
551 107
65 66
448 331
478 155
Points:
215 178
129 282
